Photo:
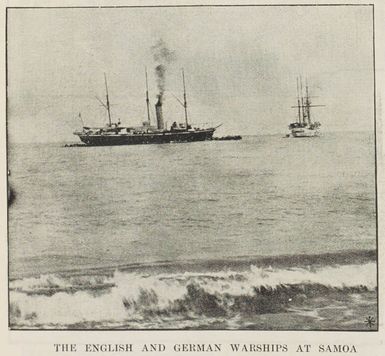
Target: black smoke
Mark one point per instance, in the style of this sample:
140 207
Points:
163 57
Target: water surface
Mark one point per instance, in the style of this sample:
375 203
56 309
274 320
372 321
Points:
102 208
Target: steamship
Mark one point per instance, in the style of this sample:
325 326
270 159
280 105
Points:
304 126
114 134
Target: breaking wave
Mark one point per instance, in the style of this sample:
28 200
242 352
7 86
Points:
187 299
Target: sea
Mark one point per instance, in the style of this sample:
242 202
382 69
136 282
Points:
265 233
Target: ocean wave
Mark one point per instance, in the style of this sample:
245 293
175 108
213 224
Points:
142 299
240 263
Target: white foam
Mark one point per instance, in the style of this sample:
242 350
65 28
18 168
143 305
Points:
67 308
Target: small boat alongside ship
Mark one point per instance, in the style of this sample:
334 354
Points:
115 134
304 126
228 138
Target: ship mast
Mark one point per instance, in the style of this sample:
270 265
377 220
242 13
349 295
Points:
299 104
308 103
147 100
302 106
107 101
185 100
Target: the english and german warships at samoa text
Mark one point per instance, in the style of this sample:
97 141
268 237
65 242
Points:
115 134
304 126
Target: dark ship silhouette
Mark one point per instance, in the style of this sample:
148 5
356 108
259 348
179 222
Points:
114 134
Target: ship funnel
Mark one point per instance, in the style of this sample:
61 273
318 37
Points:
159 113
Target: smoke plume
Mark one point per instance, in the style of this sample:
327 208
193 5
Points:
163 57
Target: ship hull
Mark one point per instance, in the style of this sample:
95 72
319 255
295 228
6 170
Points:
145 138
304 132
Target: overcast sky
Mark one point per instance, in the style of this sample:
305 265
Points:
240 63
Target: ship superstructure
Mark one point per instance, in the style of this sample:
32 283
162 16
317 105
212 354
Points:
115 134
304 126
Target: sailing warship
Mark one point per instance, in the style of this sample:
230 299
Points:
304 126
114 134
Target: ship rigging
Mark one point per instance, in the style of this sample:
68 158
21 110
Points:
304 126
115 134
